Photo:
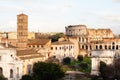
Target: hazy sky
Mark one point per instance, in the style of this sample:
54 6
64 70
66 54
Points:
54 15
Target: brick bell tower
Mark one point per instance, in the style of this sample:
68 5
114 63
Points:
22 30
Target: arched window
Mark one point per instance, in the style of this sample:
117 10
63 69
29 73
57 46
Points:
100 46
11 73
113 47
96 46
82 39
90 47
17 72
109 47
116 47
113 43
82 46
105 46
29 67
1 70
86 47
79 39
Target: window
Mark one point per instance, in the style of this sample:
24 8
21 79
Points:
79 39
86 47
113 47
90 47
60 48
11 55
105 46
33 46
37 46
56 48
42 46
29 68
51 48
116 47
96 47
82 39
100 46
17 72
11 73
109 47
82 46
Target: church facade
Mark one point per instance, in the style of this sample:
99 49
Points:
10 65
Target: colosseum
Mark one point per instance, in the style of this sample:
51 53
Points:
92 39
99 44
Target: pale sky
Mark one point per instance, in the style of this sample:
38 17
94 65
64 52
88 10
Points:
54 15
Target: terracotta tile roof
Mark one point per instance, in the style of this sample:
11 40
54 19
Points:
62 42
9 46
28 54
38 41
30 57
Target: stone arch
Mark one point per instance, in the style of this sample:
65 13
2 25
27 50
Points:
113 45
86 47
105 46
96 46
100 46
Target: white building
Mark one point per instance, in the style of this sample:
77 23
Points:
62 49
10 65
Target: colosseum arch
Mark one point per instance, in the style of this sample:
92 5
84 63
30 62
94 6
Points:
96 47
100 47
105 46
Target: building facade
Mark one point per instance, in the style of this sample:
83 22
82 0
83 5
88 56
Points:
99 44
22 30
10 65
62 49
88 39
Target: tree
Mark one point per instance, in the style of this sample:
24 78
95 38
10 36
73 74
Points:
80 58
2 77
117 68
47 71
83 65
66 60
27 77
106 71
110 72
102 66
56 37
